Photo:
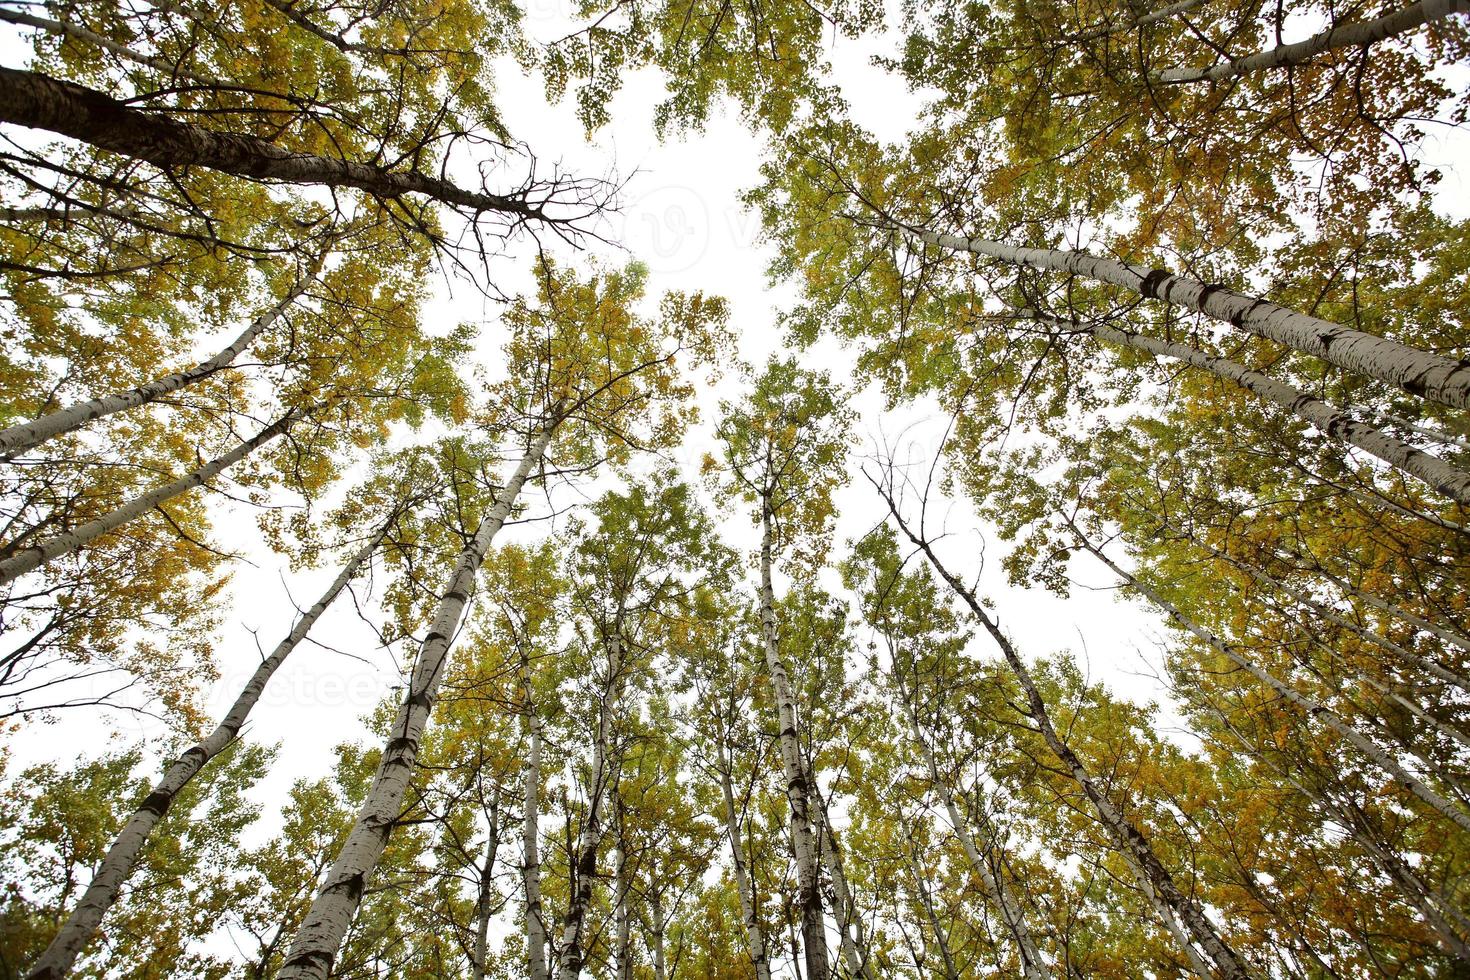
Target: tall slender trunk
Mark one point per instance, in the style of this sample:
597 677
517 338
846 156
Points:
28 559
1432 904
656 939
1180 914
31 99
483 904
755 940
1418 372
798 793
926 901
1033 967
1339 425
27 435
315 948
122 857
1163 13
584 857
531 833
1359 35
1314 709
853 944
621 890
1447 635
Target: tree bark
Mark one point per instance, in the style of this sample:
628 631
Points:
1328 717
798 793
1180 914
29 559
584 858
31 99
1359 35
854 946
531 833
1033 967
1418 372
755 940
1442 476
483 903
122 857
315 948
18 438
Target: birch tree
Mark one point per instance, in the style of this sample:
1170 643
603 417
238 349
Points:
629 394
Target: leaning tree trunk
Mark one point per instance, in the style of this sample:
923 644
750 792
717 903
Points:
122 856
1359 35
852 943
1418 372
28 559
19 438
1418 622
1442 476
1326 715
531 834
584 856
1432 904
1181 915
926 901
798 792
622 914
315 948
755 940
31 99
1033 967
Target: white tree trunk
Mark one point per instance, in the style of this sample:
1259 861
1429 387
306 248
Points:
1442 476
18 438
28 559
487 890
1163 13
1181 915
1447 635
315 948
1359 35
755 940
60 956
853 945
798 795
1326 715
584 858
1033 967
1418 372
531 834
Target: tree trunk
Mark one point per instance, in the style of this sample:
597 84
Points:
18 438
1448 636
31 99
487 890
755 940
315 948
1418 372
1163 13
1181 915
798 794
28 559
656 940
531 833
122 856
1442 476
854 946
1033 967
584 857
621 890
1359 35
927 902
1328 717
